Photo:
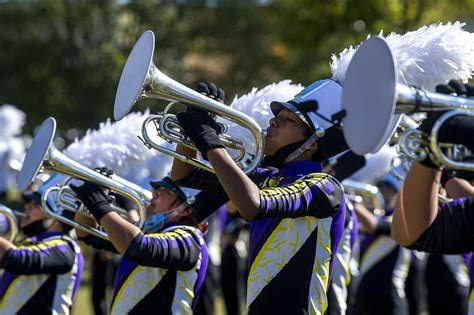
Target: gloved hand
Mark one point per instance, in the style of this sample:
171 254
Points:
198 125
456 87
104 171
93 198
211 90
457 129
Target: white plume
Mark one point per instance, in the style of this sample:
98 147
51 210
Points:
12 145
11 121
426 57
376 165
256 104
116 146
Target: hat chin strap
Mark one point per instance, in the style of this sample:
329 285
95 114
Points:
305 146
176 210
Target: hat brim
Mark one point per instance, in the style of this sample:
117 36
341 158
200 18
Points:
31 196
156 184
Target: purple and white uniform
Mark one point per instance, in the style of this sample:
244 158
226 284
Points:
160 273
41 276
294 238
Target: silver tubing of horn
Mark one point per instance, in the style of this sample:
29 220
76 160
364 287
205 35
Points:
12 217
412 99
158 85
52 214
436 153
367 191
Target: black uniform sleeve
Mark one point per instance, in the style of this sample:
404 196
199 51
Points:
452 232
99 243
383 227
203 180
50 257
206 204
177 249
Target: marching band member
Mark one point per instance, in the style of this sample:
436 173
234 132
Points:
419 221
42 274
162 268
447 276
340 288
296 212
384 265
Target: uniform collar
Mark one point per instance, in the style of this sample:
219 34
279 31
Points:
49 234
300 168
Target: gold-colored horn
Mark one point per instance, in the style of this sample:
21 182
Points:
43 156
10 226
142 79
372 93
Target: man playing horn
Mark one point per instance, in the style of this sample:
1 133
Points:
419 221
296 212
163 267
41 274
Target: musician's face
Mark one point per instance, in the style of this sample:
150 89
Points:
163 201
285 128
33 212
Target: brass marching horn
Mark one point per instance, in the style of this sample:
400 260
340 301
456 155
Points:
142 79
362 192
43 156
12 219
371 91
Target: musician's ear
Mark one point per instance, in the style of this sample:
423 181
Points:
313 148
184 213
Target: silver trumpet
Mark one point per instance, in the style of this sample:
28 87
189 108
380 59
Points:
371 92
142 79
42 156
12 217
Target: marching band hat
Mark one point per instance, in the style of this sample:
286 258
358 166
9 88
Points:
390 181
314 105
169 184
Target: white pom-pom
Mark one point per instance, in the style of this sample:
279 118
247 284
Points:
426 57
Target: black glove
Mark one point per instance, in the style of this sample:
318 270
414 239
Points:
457 129
426 127
211 91
199 126
93 198
456 87
445 176
104 171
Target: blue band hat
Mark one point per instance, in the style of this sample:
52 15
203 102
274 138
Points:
390 181
169 184
36 194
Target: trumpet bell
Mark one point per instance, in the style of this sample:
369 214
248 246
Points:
36 153
44 156
142 79
134 74
369 95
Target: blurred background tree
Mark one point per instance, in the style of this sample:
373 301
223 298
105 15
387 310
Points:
64 58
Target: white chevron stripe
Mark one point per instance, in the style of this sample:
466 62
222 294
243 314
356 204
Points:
279 248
